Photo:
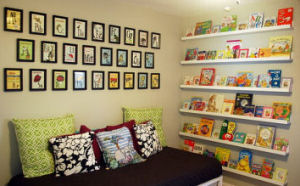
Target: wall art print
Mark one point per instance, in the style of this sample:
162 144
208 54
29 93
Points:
106 56
59 79
128 80
79 29
98 31
149 60
13 19
122 58
88 55
155 80
79 80
37 23
70 53
114 34
155 40
136 58
98 80
113 80
25 50
13 79
38 79
129 36
59 26
143 38
48 52
142 80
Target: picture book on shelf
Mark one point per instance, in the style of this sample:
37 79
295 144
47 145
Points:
207 76
243 53
191 54
190 128
215 103
229 23
241 101
228 106
188 80
265 136
250 139
222 155
268 112
196 80
254 81
244 79
256 20
267 168
231 81
280 175
216 132
287 82
224 128
199 148
232 48
200 105
264 81
239 137
186 104
194 100
245 161
188 145
232 164
201 55
256 169
253 52
281 144
281 45
216 28
282 111
259 111
249 110
203 28
205 127
264 52
275 78
220 80
243 26
220 54
270 21
285 16
211 55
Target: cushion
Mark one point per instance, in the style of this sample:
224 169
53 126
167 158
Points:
117 148
148 140
143 114
33 136
74 154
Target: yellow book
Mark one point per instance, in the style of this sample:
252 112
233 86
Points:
281 45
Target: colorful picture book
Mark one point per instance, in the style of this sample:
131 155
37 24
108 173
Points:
250 139
190 128
207 76
287 82
206 126
215 103
188 145
285 16
281 45
229 23
231 81
239 137
249 110
264 52
211 55
281 144
256 169
270 21
220 54
268 112
232 48
282 111
241 101
243 26
275 78
216 29
244 79
232 164
199 148
220 80
228 106
264 81
256 20
243 53
201 55
186 104
259 111
265 136
222 155
191 54
280 175
253 52
203 28
245 161
267 168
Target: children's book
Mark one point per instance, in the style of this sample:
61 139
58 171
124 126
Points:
188 145
282 111
228 106
199 148
253 52
216 132
268 112
281 144
280 175
256 169
281 45
231 81
241 101
203 28
211 55
254 81
229 23
207 76
220 54
267 168
199 105
287 82
265 136
230 131
186 104
239 137
232 48
196 80
285 16
264 52
190 128
191 54
244 79
275 78
222 155
188 80
243 53
259 110
264 81
216 28
243 26
232 164
249 110
215 103
256 20
194 100
201 55
206 126
245 161
250 139
219 80
270 21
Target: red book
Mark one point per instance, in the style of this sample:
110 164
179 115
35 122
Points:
285 16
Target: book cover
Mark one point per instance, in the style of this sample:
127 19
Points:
208 55
191 54
216 28
249 110
275 78
239 137
215 103
201 55
196 80
220 54
242 100
285 16
253 52
243 26
203 28
199 148
224 128
254 81
222 155
232 48
245 161
280 175
229 23
243 53
188 80
282 111
281 144
267 168
264 81
270 21
232 164
264 52
228 106
259 111
213 54
256 20
199 105
287 82
244 79
250 139
207 76
188 145
231 81
216 132
206 126
268 112
190 128
265 136
256 169
281 45
194 100
186 104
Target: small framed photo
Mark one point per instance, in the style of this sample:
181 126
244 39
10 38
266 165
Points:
142 80
113 80
38 79
155 80
88 55
59 26
122 58
149 60
106 56
143 38
128 80
13 79
129 36
98 80
286 82
268 112
155 40
136 58
13 19
59 79
114 34
79 29
98 31
25 50
207 76
243 53
79 80
37 23
48 52
70 53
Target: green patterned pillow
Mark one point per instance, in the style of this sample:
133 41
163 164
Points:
143 114
33 136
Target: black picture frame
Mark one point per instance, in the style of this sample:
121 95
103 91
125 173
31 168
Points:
106 56
60 26
143 38
45 58
77 85
38 24
70 52
129 33
86 59
148 59
136 59
11 19
109 85
153 85
114 34
77 33
125 80
119 54
36 78
65 79
94 84
155 40
140 85
24 49
95 29
6 83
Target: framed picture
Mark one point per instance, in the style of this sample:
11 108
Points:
38 79
13 19
113 80
143 38
79 29
98 31
122 58
268 112
155 80
88 55
244 53
70 53
59 79
129 36
114 34
136 58
59 26
207 76
149 60
98 80
106 56
37 23
128 80
48 52
25 50
79 80
142 80
155 40
13 79
286 82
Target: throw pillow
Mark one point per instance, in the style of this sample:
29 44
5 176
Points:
33 136
74 154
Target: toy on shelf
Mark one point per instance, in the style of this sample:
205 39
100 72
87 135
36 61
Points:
209 154
222 155
245 159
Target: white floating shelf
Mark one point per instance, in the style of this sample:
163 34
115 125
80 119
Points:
226 142
231 116
239 32
267 180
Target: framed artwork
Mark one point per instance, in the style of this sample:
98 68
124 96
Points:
37 23
13 79
106 56
59 26
129 36
88 55
13 19
155 80
98 80
244 53
114 34
113 80
149 60
98 31
25 50
207 76
155 40
59 79
142 80
38 79
70 53
136 58
128 80
79 29
122 58
48 52
143 38
79 80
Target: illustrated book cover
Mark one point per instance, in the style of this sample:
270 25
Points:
250 139
281 45
282 111
241 101
207 76
188 145
285 16
265 136
191 54
264 81
270 21
264 52
215 103
256 20
239 137
190 128
244 79
203 28
275 78
228 106
229 23
222 155
201 55
259 111
205 127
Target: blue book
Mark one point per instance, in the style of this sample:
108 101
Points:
259 111
276 78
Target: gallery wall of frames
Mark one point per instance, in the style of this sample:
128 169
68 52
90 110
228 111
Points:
114 57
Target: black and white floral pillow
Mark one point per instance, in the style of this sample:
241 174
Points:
148 139
74 154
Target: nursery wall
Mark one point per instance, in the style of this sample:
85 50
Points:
95 108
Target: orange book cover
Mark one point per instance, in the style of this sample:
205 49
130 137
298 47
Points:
206 127
264 52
